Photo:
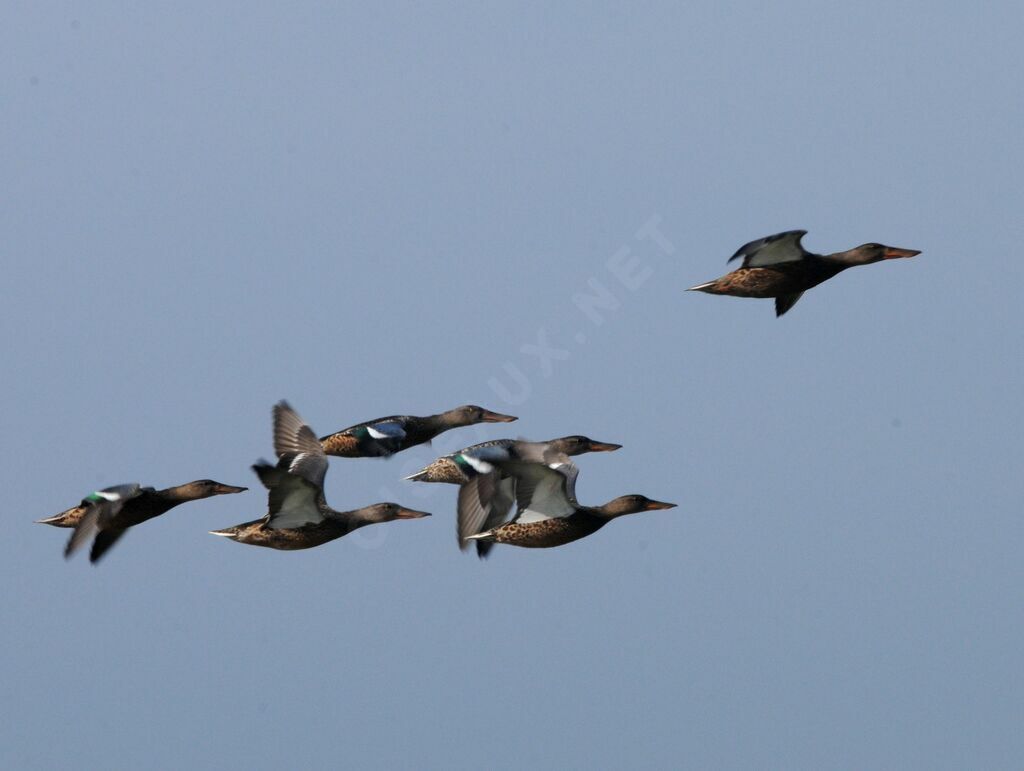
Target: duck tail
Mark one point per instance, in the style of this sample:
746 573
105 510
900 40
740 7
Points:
419 476
57 520
67 518
228 532
707 286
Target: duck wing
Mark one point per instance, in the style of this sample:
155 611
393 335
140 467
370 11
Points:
383 437
297 447
104 540
772 250
293 500
488 502
544 491
100 508
484 504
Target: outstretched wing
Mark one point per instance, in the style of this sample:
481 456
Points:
292 501
484 504
474 505
544 491
104 540
297 446
772 250
486 500
100 508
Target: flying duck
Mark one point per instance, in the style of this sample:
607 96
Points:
462 466
778 266
386 436
109 512
298 516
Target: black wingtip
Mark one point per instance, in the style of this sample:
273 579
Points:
483 548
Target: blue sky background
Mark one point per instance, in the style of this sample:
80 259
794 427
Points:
209 207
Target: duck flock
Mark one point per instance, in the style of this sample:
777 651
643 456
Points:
511 491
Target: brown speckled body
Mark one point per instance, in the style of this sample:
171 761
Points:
341 444
69 518
549 532
774 280
256 533
443 470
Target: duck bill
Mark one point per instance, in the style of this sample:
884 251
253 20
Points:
603 447
657 505
411 514
228 489
497 417
892 253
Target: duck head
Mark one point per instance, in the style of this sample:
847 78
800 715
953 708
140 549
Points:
865 254
632 504
470 414
388 512
204 488
577 445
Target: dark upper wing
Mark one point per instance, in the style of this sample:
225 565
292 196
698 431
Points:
297 446
781 247
104 540
383 437
100 508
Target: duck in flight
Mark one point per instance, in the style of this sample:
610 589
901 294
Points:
386 436
298 516
107 514
495 498
547 512
778 266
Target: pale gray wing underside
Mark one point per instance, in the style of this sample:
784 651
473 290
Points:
544 492
772 250
292 501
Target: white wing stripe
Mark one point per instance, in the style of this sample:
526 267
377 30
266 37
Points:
480 466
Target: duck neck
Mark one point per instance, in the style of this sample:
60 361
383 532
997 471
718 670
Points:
843 260
178 494
439 422
606 512
371 515
345 521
